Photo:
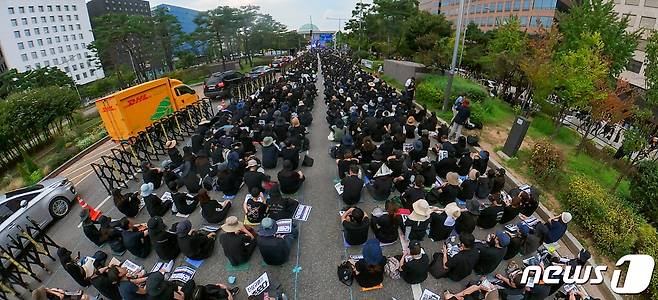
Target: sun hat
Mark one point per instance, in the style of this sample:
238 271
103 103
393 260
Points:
204 121
473 174
371 84
267 141
252 163
170 144
503 238
294 121
268 227
372 252
453 210
155 283
146 189
421 211
232 224
452 178
377 212
183 228
473 206
565 217
411 120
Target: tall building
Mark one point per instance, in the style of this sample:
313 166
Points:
43 33
487 13
185 16
641 14
98 8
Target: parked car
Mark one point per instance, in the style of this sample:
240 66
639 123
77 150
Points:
219 83
44 203
277 64
258 71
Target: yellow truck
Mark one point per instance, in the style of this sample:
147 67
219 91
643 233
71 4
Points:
127 112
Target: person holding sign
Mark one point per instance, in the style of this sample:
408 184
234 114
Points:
237 242
274 246
194 244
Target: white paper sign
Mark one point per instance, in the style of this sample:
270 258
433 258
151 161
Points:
339 188
429 295
284 226
442 155
302 212
182 274
258 286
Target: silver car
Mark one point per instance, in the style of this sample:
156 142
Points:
44 202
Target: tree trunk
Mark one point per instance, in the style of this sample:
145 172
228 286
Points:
221 49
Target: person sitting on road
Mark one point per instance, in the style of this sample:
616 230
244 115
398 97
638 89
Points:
290 180
212 210
290 153
512 208
159 288
131 288
254 206
44 293
183 203
352 186
89 228
414 193
136 239
384 224
415 265
415 225
80 272
174 155
468 219
270 153
516 242
355 225
127 204
229 181
458 266
154 205
442 223
237 242
280 207
492 252
151 174
475 291
105 281
468 186
274 248
369 271
450 189
491 215
345 163
164 242
253 178
209 291
197 245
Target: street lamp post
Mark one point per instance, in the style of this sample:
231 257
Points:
455 51
339 19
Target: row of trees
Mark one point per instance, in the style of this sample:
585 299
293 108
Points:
156 43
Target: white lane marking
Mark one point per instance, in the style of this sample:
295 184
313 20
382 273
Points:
98 208
80 175
96 156
83 179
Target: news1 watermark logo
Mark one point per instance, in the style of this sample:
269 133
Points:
638 275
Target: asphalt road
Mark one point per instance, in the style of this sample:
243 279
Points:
317 252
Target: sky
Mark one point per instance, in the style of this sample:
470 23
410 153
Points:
292 13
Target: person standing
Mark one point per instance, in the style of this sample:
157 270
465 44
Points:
460 119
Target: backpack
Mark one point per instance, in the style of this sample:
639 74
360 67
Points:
392 268
345 273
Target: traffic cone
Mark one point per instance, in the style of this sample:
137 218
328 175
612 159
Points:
93 213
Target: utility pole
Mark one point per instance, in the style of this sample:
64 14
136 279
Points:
360 24
340 19
455 50
468 11
310 18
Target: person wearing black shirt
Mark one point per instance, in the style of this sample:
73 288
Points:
229 181
164 242
274 248
211 210
490 216
151 174
464 165
127 204
414 193
345 163
450 189
467 221
253 178
154 205
458 266
280 207
73 268
184 203
44 293
512 209
352 186
89 228
415 225
460 119
384 225
270 153
516 243
369 271
468 186
414 267
137 241
492 252
157 288
291 154
174 155
290 180
194 244
381 184
237 242
105 281
254 206
481 161
442 223
355 225
484 184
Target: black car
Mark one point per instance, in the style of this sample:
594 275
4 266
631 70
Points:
218 84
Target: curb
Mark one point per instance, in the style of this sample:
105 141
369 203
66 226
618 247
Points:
75 158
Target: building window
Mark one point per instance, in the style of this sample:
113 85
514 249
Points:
526 4
523 21
70 27
517 5
641 45
634 66
37 31
46 63
76 46
30 9
21 10
52 51
57 40
43 53
82 65
34 55
49 41
52 18
632 2
11 10
68 47
24 57
50 8
43 19
60 18
40 42
40 8
80 36
54 28
24 21
17 34
84 74
66 38
508 6
76 17
55 61
75 8
66 7
77 76
60 49
67 69
534 22
68 17
651 3
78 27
34 20
14 22
20 45
647 22
62 27
27 32
500 7
75 67
46 30
30 44
631 19
58 7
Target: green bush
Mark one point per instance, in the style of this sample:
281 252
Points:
546 160
612 225
460 86
35 177
646 244
644 189
429 95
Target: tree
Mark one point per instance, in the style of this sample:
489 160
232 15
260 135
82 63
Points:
505 53
538 66
599 16
425 39
476 42
580 78
356 38
216 24
644 188
13 81
169 33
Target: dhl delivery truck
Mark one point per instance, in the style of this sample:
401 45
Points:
127 112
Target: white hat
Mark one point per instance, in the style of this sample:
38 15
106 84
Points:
421 211
453 210
566 217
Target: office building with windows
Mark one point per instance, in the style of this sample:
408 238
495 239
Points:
97 8
47 33
641 14
185 16
487 13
